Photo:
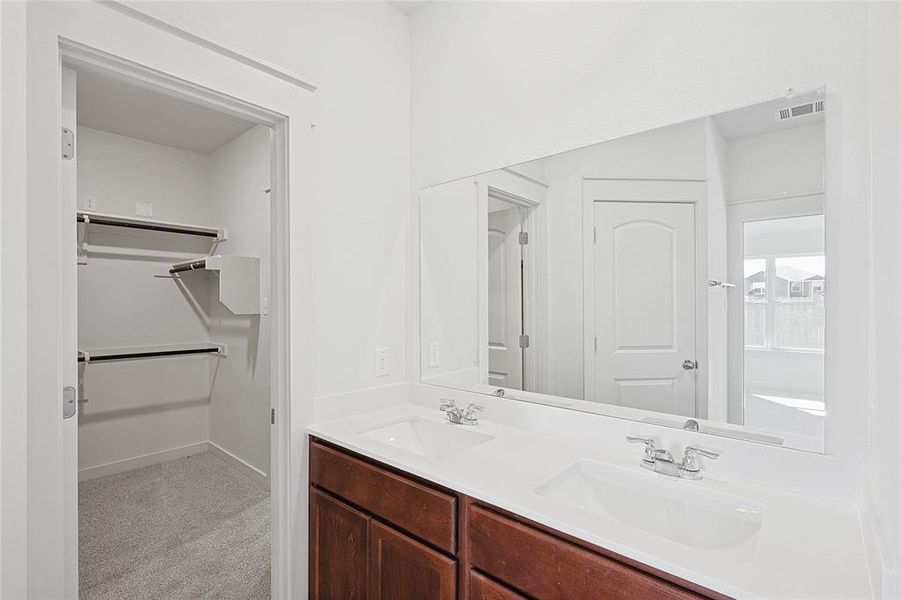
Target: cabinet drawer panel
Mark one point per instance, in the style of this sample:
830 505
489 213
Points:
423 511
482 588
549 568
404 569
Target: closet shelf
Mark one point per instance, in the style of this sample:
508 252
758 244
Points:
239 280
108 354
96 218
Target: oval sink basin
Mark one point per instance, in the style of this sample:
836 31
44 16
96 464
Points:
426 438
673 509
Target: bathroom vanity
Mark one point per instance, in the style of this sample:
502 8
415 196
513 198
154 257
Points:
381 533
404 504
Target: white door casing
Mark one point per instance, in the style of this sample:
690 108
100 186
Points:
68 326
505 293
644 290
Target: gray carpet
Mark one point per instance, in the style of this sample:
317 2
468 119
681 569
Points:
190 528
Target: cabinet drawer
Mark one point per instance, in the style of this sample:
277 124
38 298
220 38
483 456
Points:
413 507
549 568
482 588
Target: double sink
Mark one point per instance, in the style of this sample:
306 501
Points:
678 510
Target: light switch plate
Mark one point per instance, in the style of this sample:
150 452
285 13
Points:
144 209
382 362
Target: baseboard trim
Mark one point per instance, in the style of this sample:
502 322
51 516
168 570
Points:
145 460
239 465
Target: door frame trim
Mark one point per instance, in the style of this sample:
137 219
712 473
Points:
101 33
530 194
73 55
680 191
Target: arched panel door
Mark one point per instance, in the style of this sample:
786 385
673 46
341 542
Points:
644 313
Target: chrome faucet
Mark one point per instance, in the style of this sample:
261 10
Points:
455 414
662 461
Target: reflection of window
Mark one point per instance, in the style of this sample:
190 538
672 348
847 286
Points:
755 302
801 311
785 284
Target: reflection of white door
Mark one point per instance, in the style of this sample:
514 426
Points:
504 299
644 312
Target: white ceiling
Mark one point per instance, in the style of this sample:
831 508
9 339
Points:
408 7
115 105
761 118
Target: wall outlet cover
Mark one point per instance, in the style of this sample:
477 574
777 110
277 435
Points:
434 354
144 209
382 362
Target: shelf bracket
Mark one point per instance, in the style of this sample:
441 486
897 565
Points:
83 240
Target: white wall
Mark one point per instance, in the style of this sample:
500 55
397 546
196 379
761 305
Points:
881 496
239 384
450 275
717 268
358 54
781 163
126 298
13 303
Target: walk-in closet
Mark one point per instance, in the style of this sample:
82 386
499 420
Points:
174 344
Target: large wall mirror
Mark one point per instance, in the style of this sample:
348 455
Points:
676 276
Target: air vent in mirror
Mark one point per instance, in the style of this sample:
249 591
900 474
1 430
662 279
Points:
800 110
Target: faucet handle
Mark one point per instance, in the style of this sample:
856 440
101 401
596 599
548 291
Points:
649 449
702 452
469 415
448 405
634 439
690 467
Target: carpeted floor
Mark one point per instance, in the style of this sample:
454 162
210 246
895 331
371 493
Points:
190 528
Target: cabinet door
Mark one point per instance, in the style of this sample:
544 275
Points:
339 543
404 569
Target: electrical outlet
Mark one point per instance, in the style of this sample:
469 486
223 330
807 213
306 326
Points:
90 202
434 354
382 362
144 209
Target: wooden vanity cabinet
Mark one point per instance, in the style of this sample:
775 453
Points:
380 534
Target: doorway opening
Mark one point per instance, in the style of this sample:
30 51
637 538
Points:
508 270
177 364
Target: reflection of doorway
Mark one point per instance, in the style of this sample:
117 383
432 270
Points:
506 342
644 305
779 313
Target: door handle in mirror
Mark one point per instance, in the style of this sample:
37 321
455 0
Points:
689 365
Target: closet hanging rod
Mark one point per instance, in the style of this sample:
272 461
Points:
89 217
193 265
126 354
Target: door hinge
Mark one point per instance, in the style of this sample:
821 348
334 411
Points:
272 416
595 234
69 402
523 238
595 344
523 341
68 144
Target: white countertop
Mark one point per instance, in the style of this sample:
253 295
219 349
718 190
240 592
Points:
806 547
